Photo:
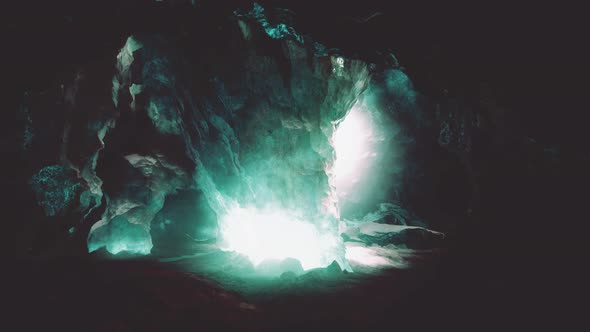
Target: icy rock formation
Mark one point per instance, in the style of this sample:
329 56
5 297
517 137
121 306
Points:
185 220
410 237
373 246
65 125
56 188
388 213
255 129
191 135
126 223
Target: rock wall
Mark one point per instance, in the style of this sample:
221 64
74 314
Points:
251 130
230 111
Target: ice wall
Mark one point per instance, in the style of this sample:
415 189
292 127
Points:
255 128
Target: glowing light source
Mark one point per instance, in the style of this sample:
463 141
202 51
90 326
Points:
352 143
366 256
275 235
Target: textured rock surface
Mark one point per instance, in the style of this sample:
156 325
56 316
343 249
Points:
253 129
494 153
56 188
255 133
192 95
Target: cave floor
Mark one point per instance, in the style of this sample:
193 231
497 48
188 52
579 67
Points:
95 294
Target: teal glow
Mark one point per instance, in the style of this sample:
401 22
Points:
275 234
123 246
277 31
55 188
120 236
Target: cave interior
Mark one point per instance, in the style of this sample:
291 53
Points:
226 164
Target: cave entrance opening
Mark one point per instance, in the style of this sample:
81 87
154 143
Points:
276 234
353 143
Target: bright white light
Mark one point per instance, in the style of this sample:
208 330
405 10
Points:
366 256
352 143
274 234
374 256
